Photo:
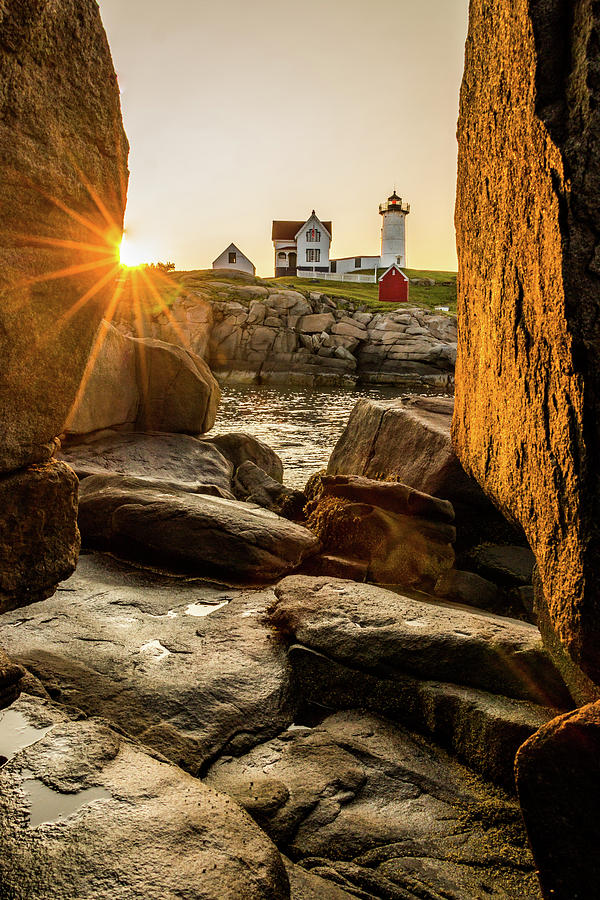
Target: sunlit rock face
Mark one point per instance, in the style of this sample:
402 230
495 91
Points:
63 182
527 421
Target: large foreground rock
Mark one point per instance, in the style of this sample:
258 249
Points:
559 790
210 536
527 420
409 441
482 729
383 632
189 669
84 812
400 535
382 813
39 538
178 460
143 384
178 392
63 155
109 395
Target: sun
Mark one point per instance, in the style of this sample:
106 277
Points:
132 254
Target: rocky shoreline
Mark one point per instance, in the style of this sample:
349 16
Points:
216 687
248 331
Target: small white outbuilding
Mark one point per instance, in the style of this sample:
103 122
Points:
233 258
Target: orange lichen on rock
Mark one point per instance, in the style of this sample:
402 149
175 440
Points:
526 421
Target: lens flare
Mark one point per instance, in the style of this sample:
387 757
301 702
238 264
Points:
132 254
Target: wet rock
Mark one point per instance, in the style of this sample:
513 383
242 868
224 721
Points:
383 632
381 813
403 536
11 676
64 182
559 791
481 728
254 485
175 460
39 538
84 809
206 535
238 447
527 421
189 669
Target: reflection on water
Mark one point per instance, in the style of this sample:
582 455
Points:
302 425
17 732
47 806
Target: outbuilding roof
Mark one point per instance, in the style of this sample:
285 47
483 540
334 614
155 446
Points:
397 268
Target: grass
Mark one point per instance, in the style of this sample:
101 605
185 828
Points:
442 294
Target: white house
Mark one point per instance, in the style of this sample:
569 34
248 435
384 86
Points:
301 247
233 258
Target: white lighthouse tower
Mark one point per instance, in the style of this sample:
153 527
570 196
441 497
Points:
393 231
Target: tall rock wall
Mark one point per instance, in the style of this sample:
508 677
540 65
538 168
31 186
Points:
527 417
63 165
63 184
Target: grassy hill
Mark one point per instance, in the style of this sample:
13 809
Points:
158 290
443 293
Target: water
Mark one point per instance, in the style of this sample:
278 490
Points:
17 732
47 806
301 424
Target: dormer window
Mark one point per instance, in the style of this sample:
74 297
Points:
313 235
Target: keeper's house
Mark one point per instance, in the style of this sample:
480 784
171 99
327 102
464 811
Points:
301 246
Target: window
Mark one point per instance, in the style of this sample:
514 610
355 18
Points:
313 235
313 256
232 258
281 255
357 262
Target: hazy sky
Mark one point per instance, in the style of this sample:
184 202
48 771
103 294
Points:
241 112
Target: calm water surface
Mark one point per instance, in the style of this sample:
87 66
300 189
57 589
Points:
302 425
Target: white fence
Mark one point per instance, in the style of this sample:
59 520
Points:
335 276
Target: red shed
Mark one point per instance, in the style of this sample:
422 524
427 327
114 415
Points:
393 285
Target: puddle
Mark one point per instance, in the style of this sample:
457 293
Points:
171 614
155 649
47 806
16 733
204 607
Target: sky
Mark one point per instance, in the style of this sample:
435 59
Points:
242 112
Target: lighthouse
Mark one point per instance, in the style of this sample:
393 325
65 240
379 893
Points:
393 231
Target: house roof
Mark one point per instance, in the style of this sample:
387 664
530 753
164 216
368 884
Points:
286 230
